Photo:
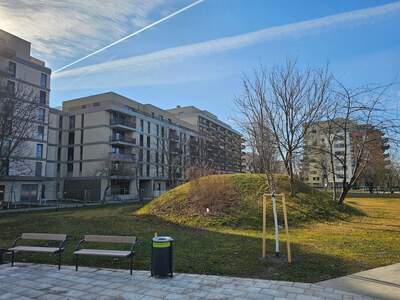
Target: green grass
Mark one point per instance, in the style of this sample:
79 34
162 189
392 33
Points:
321 249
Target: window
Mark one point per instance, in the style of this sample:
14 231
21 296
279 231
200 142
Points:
43 191
41 114
42 98
40 132
38 169
39 150
148 170
148 127
71 122
11 86
148 142
43 80
70 167
141 140
2 192
141 155
141 125
70 153
158 130
162 131
148 156
71 138
29 192
12 69
96 104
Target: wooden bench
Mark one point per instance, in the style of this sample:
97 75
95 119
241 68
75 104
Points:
62 238
104 252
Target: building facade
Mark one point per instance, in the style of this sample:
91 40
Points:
324 138
220 145
118 148
104 147
26 79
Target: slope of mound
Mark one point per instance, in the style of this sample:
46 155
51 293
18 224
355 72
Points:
235 200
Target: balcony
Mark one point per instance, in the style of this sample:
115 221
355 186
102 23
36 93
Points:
128 157
123 123
123 140
123 170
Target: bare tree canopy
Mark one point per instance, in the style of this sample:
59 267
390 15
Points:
277 108
360 122
19 113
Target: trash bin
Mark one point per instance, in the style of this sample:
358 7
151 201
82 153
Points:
161 256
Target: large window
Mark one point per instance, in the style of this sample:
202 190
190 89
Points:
39 150
11 86
43 80
41 114
40 132
71 122
42 98
29 192
12 69
38 169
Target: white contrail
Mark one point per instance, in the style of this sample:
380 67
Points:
130 35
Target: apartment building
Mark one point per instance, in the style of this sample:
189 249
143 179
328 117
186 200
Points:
25 78
220 145
113 148
317 170
106 146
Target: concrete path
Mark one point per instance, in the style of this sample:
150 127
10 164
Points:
382 283
28 281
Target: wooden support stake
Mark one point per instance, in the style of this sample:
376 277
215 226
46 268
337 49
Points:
264 234
289 254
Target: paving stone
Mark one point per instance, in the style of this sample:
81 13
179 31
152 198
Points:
43 282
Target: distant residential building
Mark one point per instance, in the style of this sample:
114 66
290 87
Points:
223 145
316 168
27 176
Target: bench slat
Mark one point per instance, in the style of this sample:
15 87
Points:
110 239
103 252
44 236
34 249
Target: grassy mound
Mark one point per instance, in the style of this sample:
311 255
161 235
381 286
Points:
235 200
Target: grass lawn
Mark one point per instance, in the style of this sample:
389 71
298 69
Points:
321 250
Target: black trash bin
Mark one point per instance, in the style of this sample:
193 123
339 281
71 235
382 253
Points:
161 256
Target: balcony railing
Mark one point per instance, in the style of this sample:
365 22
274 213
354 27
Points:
122 156
123 122
123 139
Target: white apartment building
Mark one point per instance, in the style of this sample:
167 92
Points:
114 148
27 178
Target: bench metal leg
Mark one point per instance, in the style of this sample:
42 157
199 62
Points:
59 260
76 262
131 263
12 258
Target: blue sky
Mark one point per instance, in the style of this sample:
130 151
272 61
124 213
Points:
199 57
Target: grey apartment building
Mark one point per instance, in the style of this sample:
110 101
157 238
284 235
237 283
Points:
26 177
108 147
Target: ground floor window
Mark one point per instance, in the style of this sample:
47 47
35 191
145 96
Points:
29 192
120 187
2 192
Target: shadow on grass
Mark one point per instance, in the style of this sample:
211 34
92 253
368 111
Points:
196 250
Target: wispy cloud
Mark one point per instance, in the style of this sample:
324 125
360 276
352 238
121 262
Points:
160 59
67 28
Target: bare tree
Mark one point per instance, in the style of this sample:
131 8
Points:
19 115
353 129
287 101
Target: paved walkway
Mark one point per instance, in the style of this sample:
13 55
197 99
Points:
383 283
28 281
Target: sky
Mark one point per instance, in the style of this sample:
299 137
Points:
200 56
